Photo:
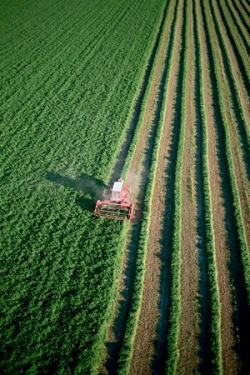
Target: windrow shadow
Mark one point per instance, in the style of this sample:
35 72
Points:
167 232
241 316
205 353
243 7
245 42
91 188
236 105
234 44
123 309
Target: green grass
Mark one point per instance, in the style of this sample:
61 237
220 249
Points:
71 74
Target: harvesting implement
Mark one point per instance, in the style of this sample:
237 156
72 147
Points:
117 206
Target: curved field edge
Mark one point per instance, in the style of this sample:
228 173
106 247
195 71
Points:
56 247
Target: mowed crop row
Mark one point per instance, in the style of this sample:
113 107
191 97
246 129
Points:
71 74
187 306
234 299
141 169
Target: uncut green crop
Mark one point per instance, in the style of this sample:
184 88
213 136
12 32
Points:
71 72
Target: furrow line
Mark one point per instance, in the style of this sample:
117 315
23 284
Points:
238 23
203 228
240 113
241 57
237 126
149 345
235 237
137 151
241 15
232 162
244 6
174 172
193 239
214 213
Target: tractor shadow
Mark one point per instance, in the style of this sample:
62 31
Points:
90 188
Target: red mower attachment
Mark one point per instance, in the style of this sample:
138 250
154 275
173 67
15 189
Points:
118 206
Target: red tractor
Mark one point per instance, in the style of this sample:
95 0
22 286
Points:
118 206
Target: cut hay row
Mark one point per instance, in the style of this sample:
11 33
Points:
234 226
237 95
151 146
238 112
243 10
226 144
202 200
242 28
132 272
240 53
213 357
192 341
153 320
173 332
221 327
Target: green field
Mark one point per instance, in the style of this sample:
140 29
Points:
71 72
156 92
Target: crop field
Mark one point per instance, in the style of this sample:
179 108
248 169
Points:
157 92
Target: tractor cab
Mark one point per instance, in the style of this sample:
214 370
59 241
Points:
118 206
